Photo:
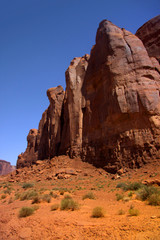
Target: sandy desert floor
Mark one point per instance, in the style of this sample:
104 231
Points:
65 176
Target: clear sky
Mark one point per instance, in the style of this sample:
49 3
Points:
38 39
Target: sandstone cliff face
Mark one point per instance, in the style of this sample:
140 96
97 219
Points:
110 112
71 141
121 91
6 167
44 143
149 33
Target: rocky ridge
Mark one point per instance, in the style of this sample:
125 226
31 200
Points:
6 167
109 114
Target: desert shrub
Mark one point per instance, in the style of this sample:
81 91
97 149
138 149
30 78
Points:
35 207
28 195
89 195
25 211
134 186
145 192
119 196
130 194
54 195
46 198
130 186
54 207
27 185
7 190
36 199
17 195
121 212
3 196
154 199
133 212
67 196
122 185
69 204
6 185
97 212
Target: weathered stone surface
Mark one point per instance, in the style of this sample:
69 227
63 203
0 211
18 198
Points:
73 117
6 167
50 126
121 122
44 143
149 33
30 155
110 112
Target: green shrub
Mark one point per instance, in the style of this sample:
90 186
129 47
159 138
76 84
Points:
130 186
28 195
134 186
133 212
119 196
46 198
123 186
145 192
97 212
69 204
25 211
88 195
154 199
54 207
130 194
27 185
121 212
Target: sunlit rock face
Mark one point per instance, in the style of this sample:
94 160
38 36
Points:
6 167
44 143
110 112
71 141
149 33
121 91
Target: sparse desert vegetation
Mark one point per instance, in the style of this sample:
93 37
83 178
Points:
26 211
97 212
80 206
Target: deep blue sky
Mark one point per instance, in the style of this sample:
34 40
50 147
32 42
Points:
38 39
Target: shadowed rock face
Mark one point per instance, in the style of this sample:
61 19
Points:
6 167
110 112
149 33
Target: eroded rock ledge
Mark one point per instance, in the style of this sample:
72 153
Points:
109 114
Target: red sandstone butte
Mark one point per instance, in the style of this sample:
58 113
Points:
109 114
